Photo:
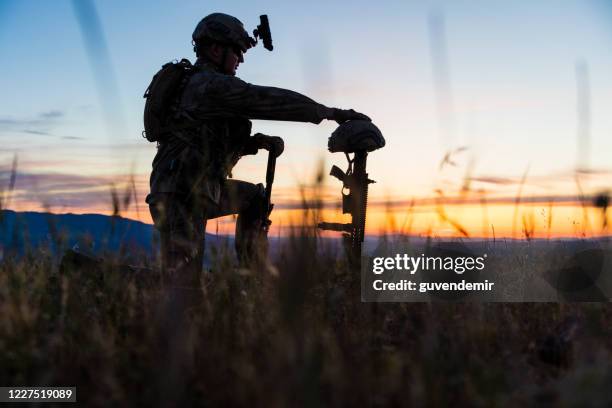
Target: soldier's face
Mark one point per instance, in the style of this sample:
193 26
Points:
233 58
227 58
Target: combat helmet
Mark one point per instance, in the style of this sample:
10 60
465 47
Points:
356 135
224 29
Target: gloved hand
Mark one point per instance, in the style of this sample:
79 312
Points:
273 144
343 115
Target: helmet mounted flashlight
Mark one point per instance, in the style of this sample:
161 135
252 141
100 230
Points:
263 32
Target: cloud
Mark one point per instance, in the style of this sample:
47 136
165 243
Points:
38 125
86 107
503 200
80 201
565 176
73 138
10 122
68 190
494 180
36 132
92 192
52 114
54 181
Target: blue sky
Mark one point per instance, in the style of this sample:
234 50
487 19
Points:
511 94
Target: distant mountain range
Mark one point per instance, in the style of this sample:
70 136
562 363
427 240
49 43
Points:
96 233
92 232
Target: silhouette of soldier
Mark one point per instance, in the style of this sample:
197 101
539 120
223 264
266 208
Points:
211 132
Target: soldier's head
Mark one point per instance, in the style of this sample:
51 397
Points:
221 39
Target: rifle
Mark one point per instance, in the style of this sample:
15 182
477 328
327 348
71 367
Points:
358 137
355 202
271 167
252 237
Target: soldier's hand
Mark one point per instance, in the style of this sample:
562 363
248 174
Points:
343 115
276 145
273 144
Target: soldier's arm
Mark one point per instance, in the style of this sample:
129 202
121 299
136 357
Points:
232 96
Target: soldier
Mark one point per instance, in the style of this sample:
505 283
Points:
189 181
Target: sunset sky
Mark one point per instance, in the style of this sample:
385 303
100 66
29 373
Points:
517 96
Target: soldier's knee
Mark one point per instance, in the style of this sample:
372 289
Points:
256 202
158 207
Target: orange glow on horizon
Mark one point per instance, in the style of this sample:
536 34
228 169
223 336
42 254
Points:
458 220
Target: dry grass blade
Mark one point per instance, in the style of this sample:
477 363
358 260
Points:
549 220
135 193
127 197
485 213
116 207
6 199
115 201
602 201
390 222
448 159
517 201
408 221
529 226
444 217
467 179
584 205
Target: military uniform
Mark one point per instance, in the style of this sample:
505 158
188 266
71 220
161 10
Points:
210 130
189 181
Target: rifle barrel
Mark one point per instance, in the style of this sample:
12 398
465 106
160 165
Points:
270 175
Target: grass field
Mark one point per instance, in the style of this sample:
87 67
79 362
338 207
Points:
295 334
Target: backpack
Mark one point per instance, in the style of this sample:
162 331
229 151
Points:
161 95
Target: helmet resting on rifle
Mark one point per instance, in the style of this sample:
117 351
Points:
356 135
224 29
